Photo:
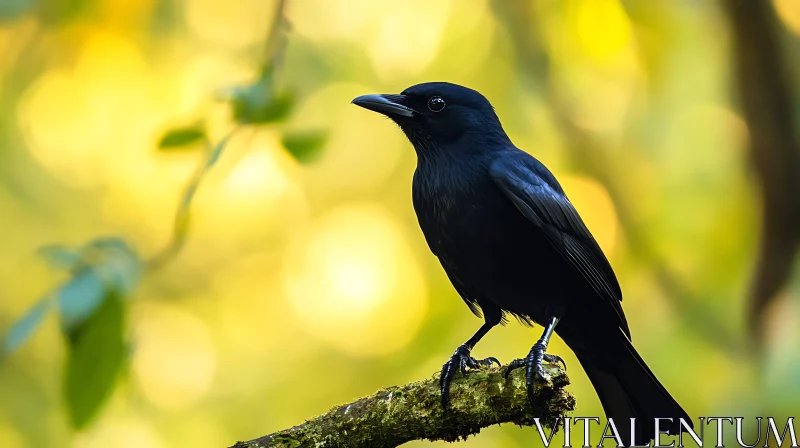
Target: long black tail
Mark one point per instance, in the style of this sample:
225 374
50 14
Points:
626 386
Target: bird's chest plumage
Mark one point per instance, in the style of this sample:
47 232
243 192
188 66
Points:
443 203
443 207
462 212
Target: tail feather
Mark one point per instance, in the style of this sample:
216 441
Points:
617 405
626 387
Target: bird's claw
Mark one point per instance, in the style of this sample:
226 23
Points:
533 366
555 359
460 361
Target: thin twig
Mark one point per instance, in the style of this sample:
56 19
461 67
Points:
276 40
275 45
180 230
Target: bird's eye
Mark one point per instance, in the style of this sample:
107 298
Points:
436 104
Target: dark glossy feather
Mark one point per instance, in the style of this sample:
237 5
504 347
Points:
538 196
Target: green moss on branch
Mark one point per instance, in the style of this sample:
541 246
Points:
396 415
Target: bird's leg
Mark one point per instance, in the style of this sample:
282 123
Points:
461 359
533 362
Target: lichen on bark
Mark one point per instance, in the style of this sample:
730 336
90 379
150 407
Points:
399 414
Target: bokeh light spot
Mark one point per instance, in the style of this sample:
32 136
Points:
354 283
789 12
253 191
603 28
402 46
174 359
598 66
257 172
231 22
125 432
595 207
402 38
9 437
357 281
75 121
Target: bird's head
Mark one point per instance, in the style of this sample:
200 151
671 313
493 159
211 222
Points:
438 114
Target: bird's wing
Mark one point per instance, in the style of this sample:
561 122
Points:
539 197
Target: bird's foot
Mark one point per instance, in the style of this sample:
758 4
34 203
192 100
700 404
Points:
460 360
533 366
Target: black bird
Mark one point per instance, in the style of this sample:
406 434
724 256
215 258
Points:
511 243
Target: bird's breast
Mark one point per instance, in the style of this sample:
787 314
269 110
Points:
459 209
440 197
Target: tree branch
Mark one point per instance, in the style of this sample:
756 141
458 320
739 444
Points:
396 415
766 95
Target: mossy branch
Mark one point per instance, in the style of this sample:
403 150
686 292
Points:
396 415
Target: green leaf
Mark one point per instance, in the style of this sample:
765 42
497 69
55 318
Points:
25 327
181 137
115 268
60 256
254 107
305 146
259 103
97 353
79 298
116 262
12 9
58 12
278 109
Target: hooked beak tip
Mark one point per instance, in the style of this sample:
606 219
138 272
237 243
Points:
389 105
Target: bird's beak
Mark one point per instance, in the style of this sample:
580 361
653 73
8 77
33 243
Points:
390 105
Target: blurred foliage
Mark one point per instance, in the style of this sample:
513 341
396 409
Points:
259 103
181 137
91 309
300 247
24 327
102 267
96 355
305 146
92 303
12 9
